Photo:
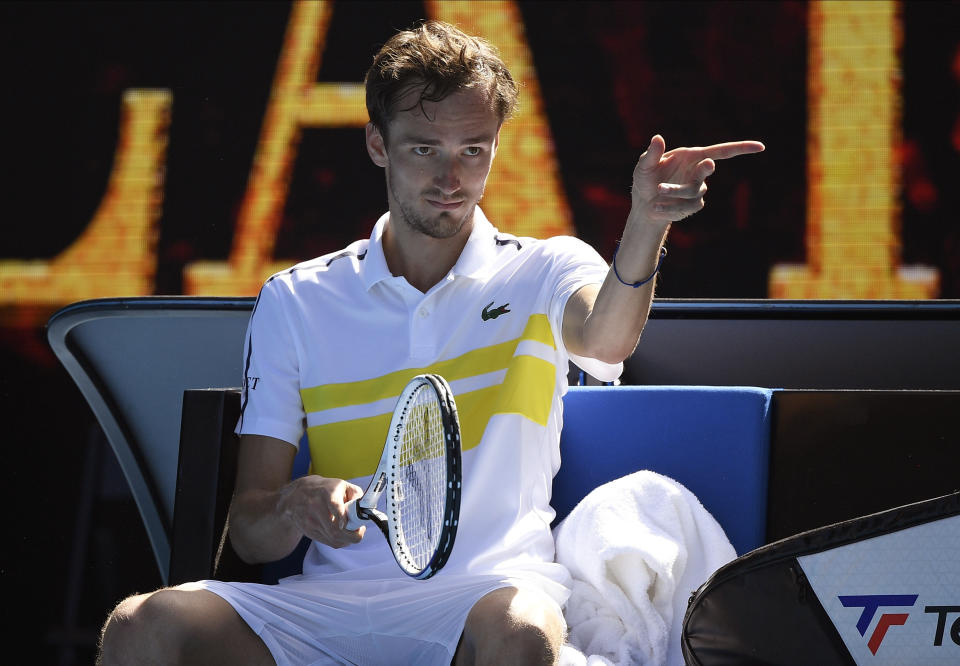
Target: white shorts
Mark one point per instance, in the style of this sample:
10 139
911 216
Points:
329 620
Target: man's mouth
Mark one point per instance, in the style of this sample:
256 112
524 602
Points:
445 205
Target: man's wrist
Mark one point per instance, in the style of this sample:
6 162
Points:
640 222
638 283
643 236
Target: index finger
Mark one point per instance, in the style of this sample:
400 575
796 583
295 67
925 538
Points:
723 151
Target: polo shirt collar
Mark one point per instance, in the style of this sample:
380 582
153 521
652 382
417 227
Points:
374 265
476 259
478 255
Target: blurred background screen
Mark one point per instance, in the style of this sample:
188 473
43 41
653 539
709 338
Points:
193 148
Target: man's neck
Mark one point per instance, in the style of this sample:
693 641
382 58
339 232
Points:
422 260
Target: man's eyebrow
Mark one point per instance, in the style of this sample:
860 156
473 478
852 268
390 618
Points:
423 141
485 138
420 141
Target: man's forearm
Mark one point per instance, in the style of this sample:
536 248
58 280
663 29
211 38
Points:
612 328
258 527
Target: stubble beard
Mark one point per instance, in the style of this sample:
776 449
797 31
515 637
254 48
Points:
445 224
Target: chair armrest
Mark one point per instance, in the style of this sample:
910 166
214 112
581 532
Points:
206 474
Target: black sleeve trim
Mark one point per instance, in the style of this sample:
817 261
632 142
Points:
509 241
347 253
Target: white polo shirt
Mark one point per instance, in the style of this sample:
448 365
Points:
333 341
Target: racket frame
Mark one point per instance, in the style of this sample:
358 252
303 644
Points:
383 480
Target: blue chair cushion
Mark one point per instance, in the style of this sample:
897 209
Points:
713 440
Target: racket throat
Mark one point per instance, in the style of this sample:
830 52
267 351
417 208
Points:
381 483
366 507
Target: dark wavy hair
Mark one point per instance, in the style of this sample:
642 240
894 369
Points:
438 59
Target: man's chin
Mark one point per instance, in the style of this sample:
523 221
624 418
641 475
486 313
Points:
445 224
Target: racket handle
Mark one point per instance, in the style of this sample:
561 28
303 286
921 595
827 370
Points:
354 521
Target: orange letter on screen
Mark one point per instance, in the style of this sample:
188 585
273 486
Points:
116 254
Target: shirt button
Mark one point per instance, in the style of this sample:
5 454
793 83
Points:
423 313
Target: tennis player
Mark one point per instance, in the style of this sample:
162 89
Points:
331 342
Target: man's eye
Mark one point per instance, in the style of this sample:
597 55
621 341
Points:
422 150
473 151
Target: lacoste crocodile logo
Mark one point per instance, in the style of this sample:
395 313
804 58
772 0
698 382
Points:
494 313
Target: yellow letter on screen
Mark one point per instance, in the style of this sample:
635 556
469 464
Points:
853 127
296 101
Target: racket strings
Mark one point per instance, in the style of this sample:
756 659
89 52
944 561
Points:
421 479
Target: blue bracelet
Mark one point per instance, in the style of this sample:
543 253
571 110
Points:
663 253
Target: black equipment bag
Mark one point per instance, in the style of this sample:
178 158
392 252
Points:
880 589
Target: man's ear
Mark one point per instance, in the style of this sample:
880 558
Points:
376 146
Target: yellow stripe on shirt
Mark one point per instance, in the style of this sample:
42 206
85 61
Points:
351 448
470 364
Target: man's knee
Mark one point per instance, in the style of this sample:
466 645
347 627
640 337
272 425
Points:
172 625
514 626
132 627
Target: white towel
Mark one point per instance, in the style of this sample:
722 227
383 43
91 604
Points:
636 548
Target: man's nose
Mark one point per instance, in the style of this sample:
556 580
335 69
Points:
448 179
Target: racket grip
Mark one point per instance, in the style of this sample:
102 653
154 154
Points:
354 521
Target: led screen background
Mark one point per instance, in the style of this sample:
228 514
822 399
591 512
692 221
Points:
157 148
603 77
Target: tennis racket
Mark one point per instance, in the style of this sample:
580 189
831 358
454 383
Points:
420 475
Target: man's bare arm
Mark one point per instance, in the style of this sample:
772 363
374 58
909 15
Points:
270 513
606 322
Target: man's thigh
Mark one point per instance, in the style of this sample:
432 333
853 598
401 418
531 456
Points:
379 621
225 634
